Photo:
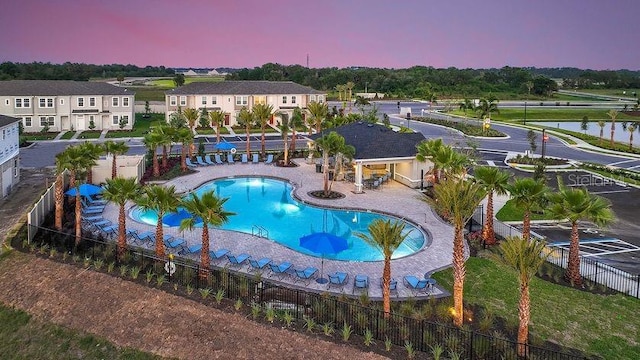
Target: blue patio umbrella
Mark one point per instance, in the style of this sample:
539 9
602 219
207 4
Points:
323 243
85 190
224 146
175 218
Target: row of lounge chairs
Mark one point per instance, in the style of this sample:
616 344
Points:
217 160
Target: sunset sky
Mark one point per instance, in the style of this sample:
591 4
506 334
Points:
594 34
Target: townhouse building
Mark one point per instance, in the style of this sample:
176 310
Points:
9 154
231 96
62 105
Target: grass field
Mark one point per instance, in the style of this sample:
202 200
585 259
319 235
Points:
552 114
604 325
611 92
510 212
168 83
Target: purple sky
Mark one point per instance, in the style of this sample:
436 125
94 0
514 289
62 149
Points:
595 34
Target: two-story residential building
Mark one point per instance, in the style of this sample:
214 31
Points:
9 151
231 96
62 105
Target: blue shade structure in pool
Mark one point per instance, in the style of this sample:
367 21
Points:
268 203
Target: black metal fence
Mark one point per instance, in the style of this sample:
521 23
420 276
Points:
308 307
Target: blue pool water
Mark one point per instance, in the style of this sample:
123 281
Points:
266 205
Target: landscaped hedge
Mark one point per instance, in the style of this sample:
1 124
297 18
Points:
465 127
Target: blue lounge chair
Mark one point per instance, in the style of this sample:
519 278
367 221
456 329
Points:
258 265
306 274
269 159
172 243
281 269
200 161
245 159
360 282
108 230
393 285
254 158
207 159
218 159
337 279
96 202
92 211
230 158
416 285
237 260
145 237
218 254
98 224
87 206
193 249
190 164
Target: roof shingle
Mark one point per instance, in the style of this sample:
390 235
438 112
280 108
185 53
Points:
59 88
6 120
243 88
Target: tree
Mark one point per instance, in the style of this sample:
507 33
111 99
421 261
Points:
77 163
295 121
631 128
493 180
531 136
162 200
62 165
217 120
362 102
428 149
166 135
114 149
147 109
185 137
457 199
203 120
576 204
191 115
386 237
120 78
92 152
119 191
349 92
284 130
486 107
613 114
465 105
601 124
527 194
584 125
262 113
332 144
178 80
317 114
246 120
539 172
152 140
525 258
209 209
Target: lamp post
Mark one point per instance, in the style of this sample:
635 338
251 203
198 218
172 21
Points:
524 122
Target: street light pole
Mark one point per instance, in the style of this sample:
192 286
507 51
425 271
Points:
525 113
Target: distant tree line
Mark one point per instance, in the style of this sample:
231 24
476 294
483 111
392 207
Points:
74 71
592 79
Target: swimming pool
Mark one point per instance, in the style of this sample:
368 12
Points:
265 206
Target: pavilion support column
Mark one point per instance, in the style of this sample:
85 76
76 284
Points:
358 178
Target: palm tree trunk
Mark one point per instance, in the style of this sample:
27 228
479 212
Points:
183 159
631 141
459 273
156 166
90 175
114 169
122 239
78 217
293 139
573 267
262 150
159 241
59 201
325 172
204 252
524 313
386 284
218 133
165 165
601 135
526 225
488 234
286 151
613 130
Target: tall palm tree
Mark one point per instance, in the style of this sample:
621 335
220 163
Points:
152 140
428 149
317 114
340 88
332 144
166 135
487 106
631 128
284 130
527 194
493 180
613 114
525 258
162 200
217 119
78 164
457 199
246 120
114 149
119 191
386 237
601 123
295 121
185 137
92 152
262 113
349 92
576 204
453 163
191 115
208 208
465 105
62 165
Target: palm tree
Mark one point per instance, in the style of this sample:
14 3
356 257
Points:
457 199
349 88
317 114
361 102
613 114
209 209
465 105
601 123
185 137
62 164
162 200
340 89
487 106
527 194
428 149
631 128
284 130
217 119
262 113
114 149
493 180
191 115
575 204
386 236
152 140
246 119
119 191
525 258
78 164
331 144
166 135
92 152
295 121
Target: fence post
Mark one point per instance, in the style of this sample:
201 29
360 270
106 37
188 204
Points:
471 354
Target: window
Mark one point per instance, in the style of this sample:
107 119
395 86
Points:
4 134
183 101
173 101
214 100
15 167
46 121
125 101
80 102
61 101
124 119
23 102
204 100
6 102
284 99
26 121
18 103
92 101
320 99
293 99
242 100
45 102
115 120
115 101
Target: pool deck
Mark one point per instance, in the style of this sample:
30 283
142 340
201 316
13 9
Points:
392 197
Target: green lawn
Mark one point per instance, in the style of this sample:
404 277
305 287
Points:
611 92
39 136
90 134
149 93
552 114
24 337
168 83
68 135
607 326
510 212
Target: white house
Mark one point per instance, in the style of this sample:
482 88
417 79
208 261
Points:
9 151
231 96
62 105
